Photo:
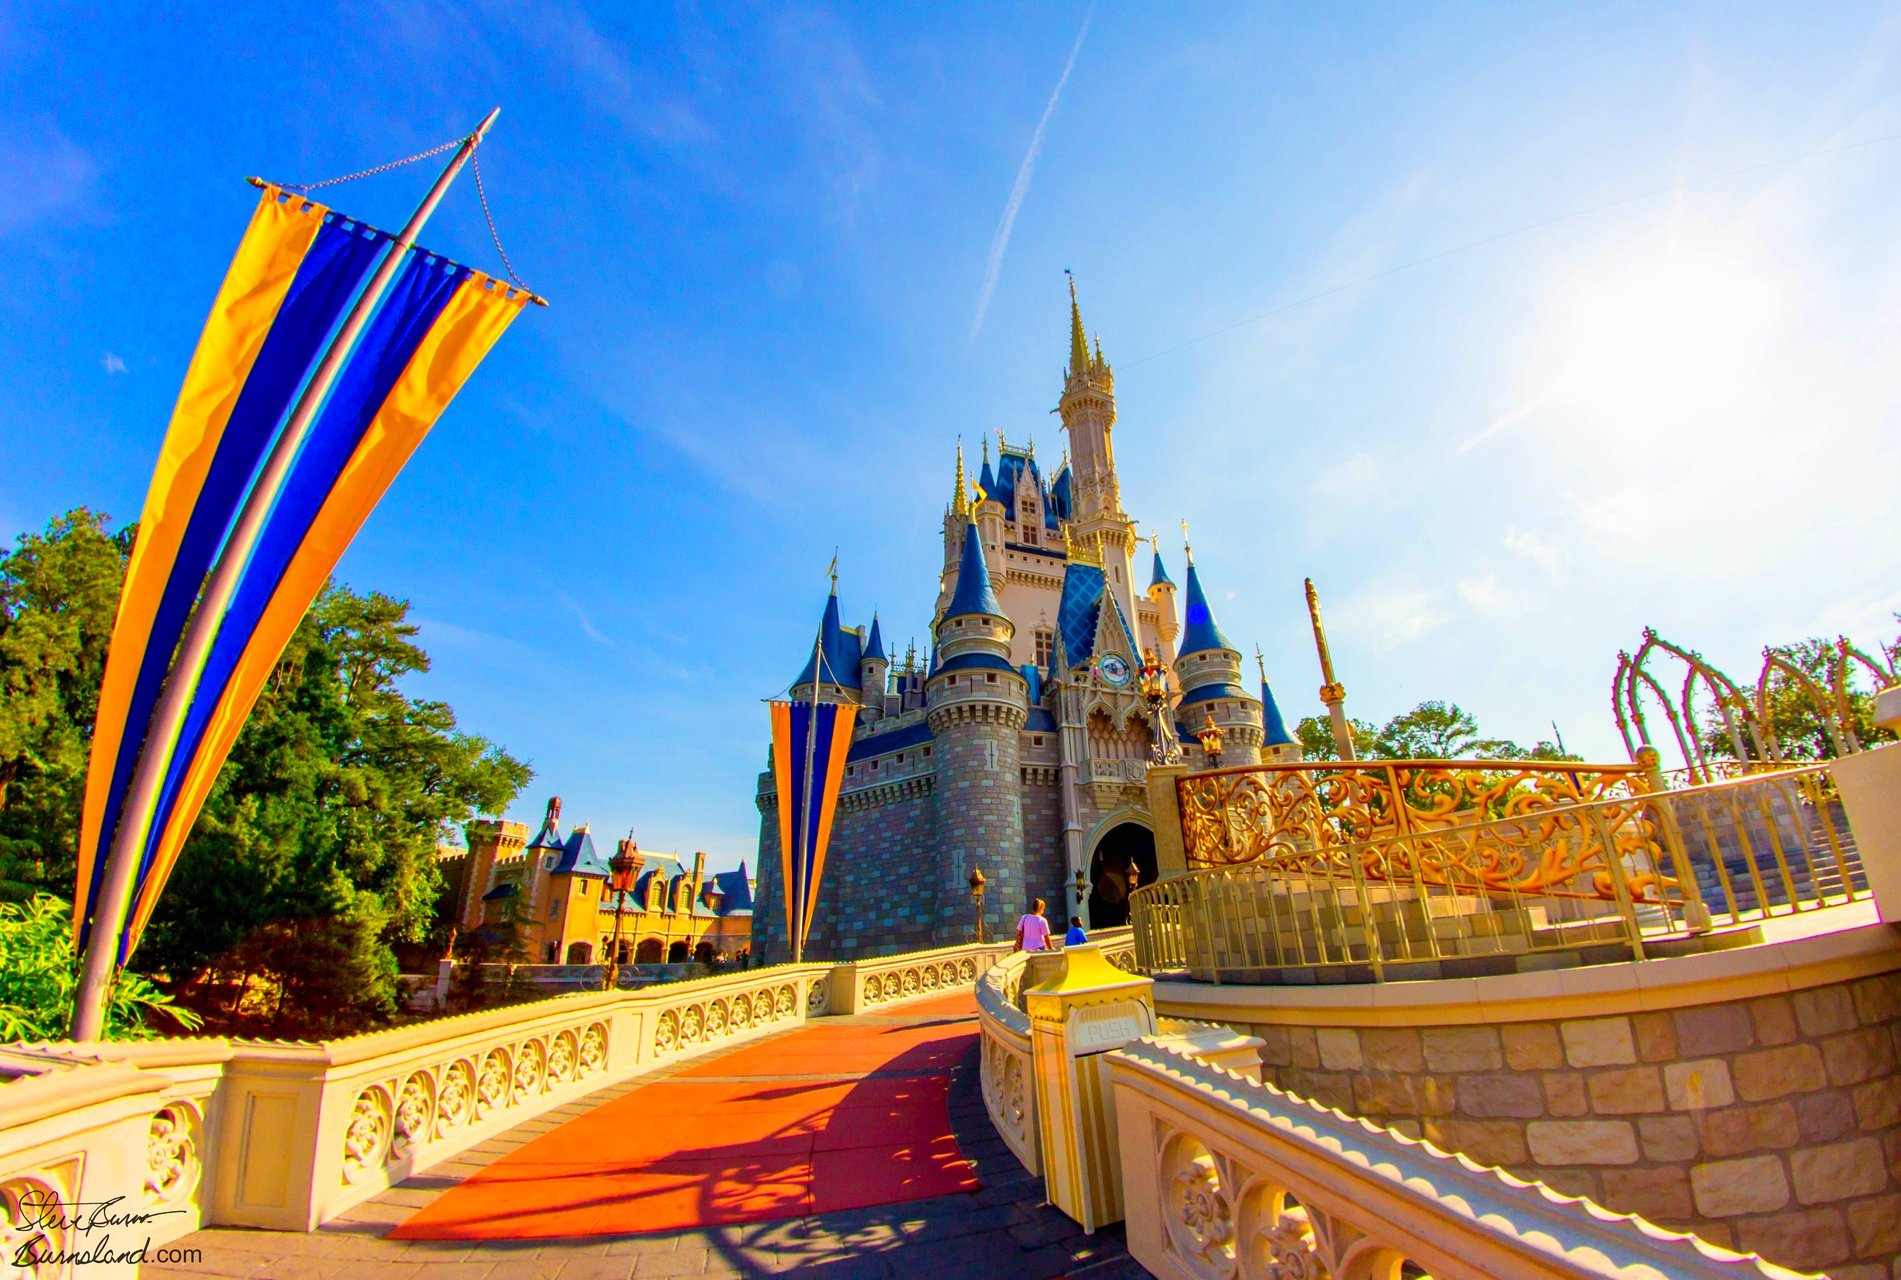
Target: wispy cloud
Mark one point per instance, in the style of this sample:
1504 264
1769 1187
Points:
47 176
1390 615
1027 170
112 364
587 624
1532 545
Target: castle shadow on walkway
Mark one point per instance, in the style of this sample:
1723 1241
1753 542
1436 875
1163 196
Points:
855 1146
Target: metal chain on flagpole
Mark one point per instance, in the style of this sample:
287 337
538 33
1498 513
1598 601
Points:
475 163
381 168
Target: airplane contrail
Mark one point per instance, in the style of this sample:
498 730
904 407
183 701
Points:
1021 188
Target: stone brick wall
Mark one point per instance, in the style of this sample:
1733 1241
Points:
1771 1124
880 888
1045 866
980 820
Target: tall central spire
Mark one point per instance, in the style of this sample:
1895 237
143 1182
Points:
1078 345
960 500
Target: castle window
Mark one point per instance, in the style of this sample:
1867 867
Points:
990 679
927 753
1045 646
900 757
554 909
1036 740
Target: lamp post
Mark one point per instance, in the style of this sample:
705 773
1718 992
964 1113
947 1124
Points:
1081 886
624 866
1152 680
977 898
1210 736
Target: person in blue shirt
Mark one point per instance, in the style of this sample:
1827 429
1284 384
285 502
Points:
1075 934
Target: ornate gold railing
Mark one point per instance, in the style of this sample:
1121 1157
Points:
1261 812
1610 874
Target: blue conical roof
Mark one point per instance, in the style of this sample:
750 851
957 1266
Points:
874 646
987 479
1158 576
1272 725
1199 630
838 648
973 593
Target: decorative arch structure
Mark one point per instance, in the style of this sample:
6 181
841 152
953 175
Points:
1744 711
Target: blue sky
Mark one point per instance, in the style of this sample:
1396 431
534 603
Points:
767 233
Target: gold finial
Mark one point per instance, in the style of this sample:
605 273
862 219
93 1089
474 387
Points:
1000 443
1330 685
960 502
1078 346
1188 552
1260 662
832 571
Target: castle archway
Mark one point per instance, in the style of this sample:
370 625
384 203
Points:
1125 848
650 951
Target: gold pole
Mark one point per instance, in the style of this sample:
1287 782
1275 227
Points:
1332 692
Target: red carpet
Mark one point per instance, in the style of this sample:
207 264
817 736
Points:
702 1149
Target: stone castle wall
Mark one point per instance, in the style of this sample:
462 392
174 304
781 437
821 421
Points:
980 819
1770 1124
1045 865
879 889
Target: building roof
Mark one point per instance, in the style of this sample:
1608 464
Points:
839 649
874 645
1158 576
910 735
1209 693
1060 495
1041 719
973 593
1273 727
506 889
578 857
978 662
1076 610
549 837
1199 629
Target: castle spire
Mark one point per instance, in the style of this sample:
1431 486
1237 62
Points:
1078 345
960 501
1201 631
986 479
973 593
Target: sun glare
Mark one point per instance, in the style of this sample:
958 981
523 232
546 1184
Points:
1666 335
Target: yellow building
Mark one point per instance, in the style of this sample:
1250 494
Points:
554 894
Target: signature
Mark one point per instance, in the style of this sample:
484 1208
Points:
46 1213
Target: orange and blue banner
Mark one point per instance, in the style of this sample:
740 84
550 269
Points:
295 273
807 800
429 333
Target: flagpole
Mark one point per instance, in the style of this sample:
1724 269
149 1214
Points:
161 734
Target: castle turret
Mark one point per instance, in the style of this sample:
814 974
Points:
833 662
977 704
873 673
1209 669
1088 408
1161 593
1277 745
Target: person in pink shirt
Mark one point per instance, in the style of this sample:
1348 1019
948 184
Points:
1033 931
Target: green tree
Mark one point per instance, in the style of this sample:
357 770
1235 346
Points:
1315 734
38 979
59 593
315 852
327 819
1800 729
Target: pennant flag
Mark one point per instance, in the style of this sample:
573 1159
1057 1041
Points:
295 272
807 799
298 269
434 328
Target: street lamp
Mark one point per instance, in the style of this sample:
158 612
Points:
1152 681
1081 886
625 865
1210 736
977 898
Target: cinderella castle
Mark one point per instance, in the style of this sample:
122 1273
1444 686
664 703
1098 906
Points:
1021 746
